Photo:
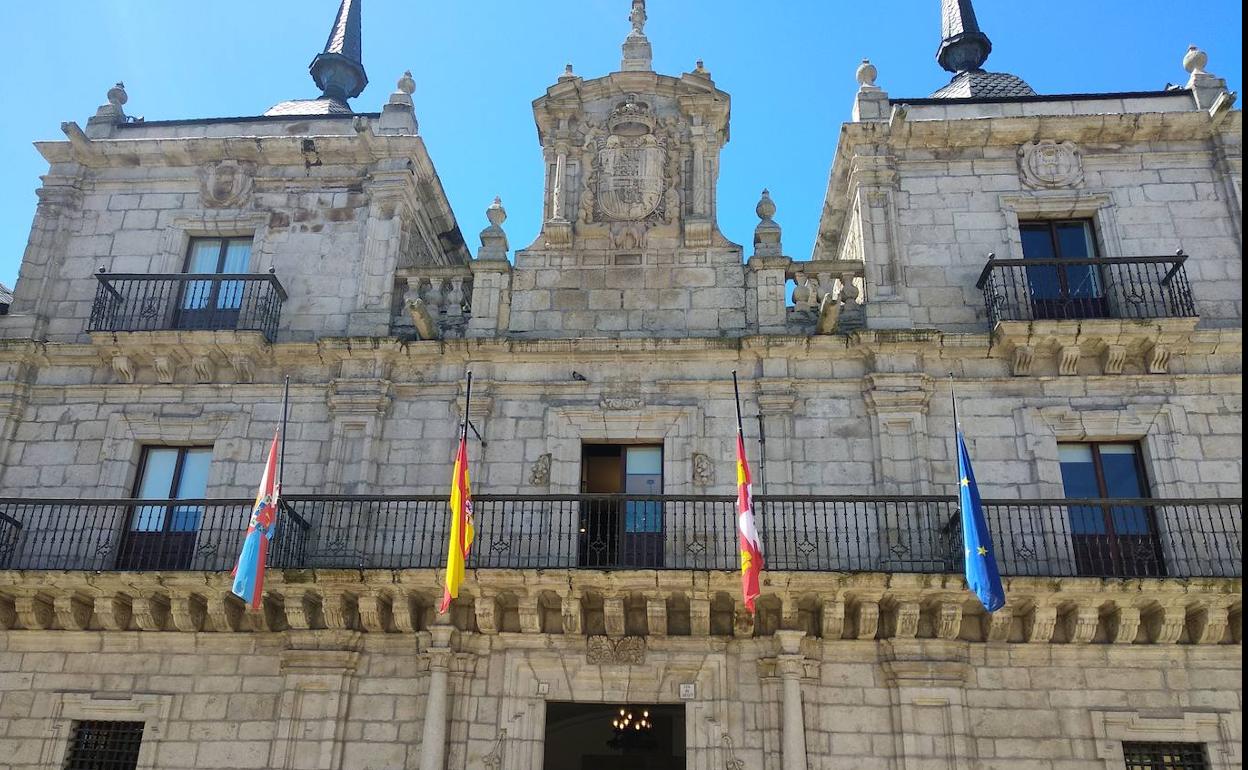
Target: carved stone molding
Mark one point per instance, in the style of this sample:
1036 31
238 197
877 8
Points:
539 475
602 650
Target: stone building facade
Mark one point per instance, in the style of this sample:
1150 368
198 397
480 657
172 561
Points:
1022 245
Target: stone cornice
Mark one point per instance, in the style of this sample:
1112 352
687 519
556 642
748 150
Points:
904 607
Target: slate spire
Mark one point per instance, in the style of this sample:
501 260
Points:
963 46
339 70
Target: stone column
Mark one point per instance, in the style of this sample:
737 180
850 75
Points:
557 187
791 665
433 733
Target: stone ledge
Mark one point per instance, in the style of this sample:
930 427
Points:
649 603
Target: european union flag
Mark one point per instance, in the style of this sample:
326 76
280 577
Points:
981 565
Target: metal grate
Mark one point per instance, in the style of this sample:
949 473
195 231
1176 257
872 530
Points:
104 745
1165 756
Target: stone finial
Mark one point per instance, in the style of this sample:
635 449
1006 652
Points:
1194 60
963 46
493 239
398 115
699 68
109 114
767 233
404 89
339 69
637 53
117 96
865 74
568 74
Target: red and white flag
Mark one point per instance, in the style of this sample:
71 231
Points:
747 535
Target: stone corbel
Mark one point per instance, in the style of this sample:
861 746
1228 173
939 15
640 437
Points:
1157 359
303 610
832 619
244 368
529 609
613 616
151 612
1114 358
1081 623
1068 360
1039 625
340 609
570 609
486 610
1165 625
73 612
123 368
743 623
906 625
1207 625
1020 362
225 611
868 619
949 620
1123 624
166 369
203 368
34 612
187 611
1000 623
700 616
113 612
656 615
376 612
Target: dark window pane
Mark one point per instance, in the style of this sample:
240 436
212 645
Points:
1165 756
1042 282
1037 242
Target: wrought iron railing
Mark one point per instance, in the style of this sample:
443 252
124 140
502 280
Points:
135 302
1112 287
1108 538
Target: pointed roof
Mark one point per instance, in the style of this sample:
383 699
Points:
963 50
338 70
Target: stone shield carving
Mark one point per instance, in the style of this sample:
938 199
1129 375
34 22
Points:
1048 164
631 181
225 184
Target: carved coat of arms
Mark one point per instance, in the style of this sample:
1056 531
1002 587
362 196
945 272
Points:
629 178
1048 164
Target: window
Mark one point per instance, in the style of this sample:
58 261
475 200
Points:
214 304
163 536
1165 756
104 745
621 531
1117 540
1065 285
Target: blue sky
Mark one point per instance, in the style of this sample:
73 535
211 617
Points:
789 67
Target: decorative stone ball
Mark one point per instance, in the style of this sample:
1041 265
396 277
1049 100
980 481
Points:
866 73
117 95
766 208
406 84
496 213
1195 60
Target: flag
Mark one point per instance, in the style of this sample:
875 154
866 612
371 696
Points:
249 572
747 535
982 575
461 526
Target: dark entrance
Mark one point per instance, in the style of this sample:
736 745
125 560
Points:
621 517
586 736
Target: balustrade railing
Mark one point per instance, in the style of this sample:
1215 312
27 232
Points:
1110 287
135 302
1108 538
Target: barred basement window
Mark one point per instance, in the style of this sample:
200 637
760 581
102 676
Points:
1165 756
104 745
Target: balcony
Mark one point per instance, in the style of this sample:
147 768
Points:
1122 288
135 302
1040 538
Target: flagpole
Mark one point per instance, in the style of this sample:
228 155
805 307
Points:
762 454
736 392
463 427
953 397
281 457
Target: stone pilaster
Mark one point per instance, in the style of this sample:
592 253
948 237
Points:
317 673
437 706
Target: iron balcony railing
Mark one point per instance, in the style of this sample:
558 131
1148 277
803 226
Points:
1107 538
1112 287
135 302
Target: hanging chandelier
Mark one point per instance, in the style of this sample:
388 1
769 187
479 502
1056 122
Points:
632 729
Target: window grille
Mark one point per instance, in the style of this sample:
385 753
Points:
104 745
1165 756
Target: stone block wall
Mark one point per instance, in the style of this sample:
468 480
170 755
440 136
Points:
342 699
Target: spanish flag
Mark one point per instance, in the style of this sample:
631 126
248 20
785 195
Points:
461 526
747 535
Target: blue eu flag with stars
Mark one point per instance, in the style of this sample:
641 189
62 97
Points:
981 565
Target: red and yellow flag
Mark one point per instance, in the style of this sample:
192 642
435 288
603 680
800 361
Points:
747 535
461 527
